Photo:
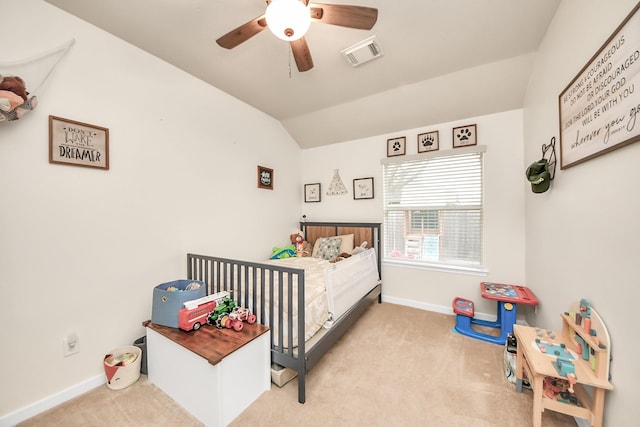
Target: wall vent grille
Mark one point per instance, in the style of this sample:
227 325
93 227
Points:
363 51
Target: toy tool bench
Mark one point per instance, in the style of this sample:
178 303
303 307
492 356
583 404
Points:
569 370
507 298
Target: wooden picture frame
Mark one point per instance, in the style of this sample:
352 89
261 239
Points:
465 136
312 193
78 144
428 141
363 188
598 109
396 146
265 178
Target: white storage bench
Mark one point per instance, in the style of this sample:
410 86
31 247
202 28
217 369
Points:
214 374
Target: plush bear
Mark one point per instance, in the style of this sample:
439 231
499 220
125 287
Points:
14 84
9 101
303 248
14 98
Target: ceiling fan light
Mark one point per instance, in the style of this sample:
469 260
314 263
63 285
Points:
288 19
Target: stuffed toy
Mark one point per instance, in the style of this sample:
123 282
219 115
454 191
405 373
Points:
9 100
359 249
15 85
286 252
14 98
340 257
303 248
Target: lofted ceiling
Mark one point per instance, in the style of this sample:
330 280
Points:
443 60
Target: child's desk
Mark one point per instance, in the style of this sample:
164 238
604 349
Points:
514 294
507 298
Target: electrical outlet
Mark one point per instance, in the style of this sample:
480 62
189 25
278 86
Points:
70 344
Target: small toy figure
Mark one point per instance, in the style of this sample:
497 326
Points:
302 247
14 98
236 317
219 315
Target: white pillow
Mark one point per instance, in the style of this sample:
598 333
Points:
347 243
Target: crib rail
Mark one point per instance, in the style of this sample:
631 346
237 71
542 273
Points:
262 289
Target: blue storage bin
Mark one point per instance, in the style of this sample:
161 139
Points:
166 304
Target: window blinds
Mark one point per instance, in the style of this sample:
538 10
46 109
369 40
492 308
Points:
433 208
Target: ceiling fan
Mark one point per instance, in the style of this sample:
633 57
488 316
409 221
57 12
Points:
290 19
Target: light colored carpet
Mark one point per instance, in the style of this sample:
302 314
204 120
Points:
396 366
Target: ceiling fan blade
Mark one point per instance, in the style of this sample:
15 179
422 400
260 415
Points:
359 17
243 33
301 54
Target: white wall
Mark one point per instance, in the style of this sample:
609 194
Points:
504 207
582 235
81 249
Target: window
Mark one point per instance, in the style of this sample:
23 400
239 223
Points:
433 208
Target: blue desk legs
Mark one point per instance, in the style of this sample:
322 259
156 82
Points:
495 324
505 319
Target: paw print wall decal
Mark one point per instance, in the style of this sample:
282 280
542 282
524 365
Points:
464 136
429 141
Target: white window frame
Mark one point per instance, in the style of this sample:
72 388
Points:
474 266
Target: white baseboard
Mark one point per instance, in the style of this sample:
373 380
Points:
49 402
435 308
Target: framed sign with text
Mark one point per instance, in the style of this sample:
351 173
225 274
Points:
265 178
78 144
599 108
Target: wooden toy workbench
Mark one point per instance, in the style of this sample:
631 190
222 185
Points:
541 355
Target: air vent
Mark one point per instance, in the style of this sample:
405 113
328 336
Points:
363 51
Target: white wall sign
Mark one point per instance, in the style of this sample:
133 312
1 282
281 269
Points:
599 108
79 144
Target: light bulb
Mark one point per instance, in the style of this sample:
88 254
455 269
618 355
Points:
288 19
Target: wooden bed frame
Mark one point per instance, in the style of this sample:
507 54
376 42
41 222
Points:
241 279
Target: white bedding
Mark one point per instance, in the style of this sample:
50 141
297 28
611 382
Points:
315 295
330 289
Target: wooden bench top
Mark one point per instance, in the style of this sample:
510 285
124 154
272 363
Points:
210 342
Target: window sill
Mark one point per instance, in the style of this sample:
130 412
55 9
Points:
472 271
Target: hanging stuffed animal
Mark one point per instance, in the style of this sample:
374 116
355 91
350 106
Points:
14 98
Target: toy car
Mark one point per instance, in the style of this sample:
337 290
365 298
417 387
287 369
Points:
219 315
236 318
238 315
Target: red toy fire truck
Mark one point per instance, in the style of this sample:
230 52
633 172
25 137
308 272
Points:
195 312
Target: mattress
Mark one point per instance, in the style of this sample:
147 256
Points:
315 296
